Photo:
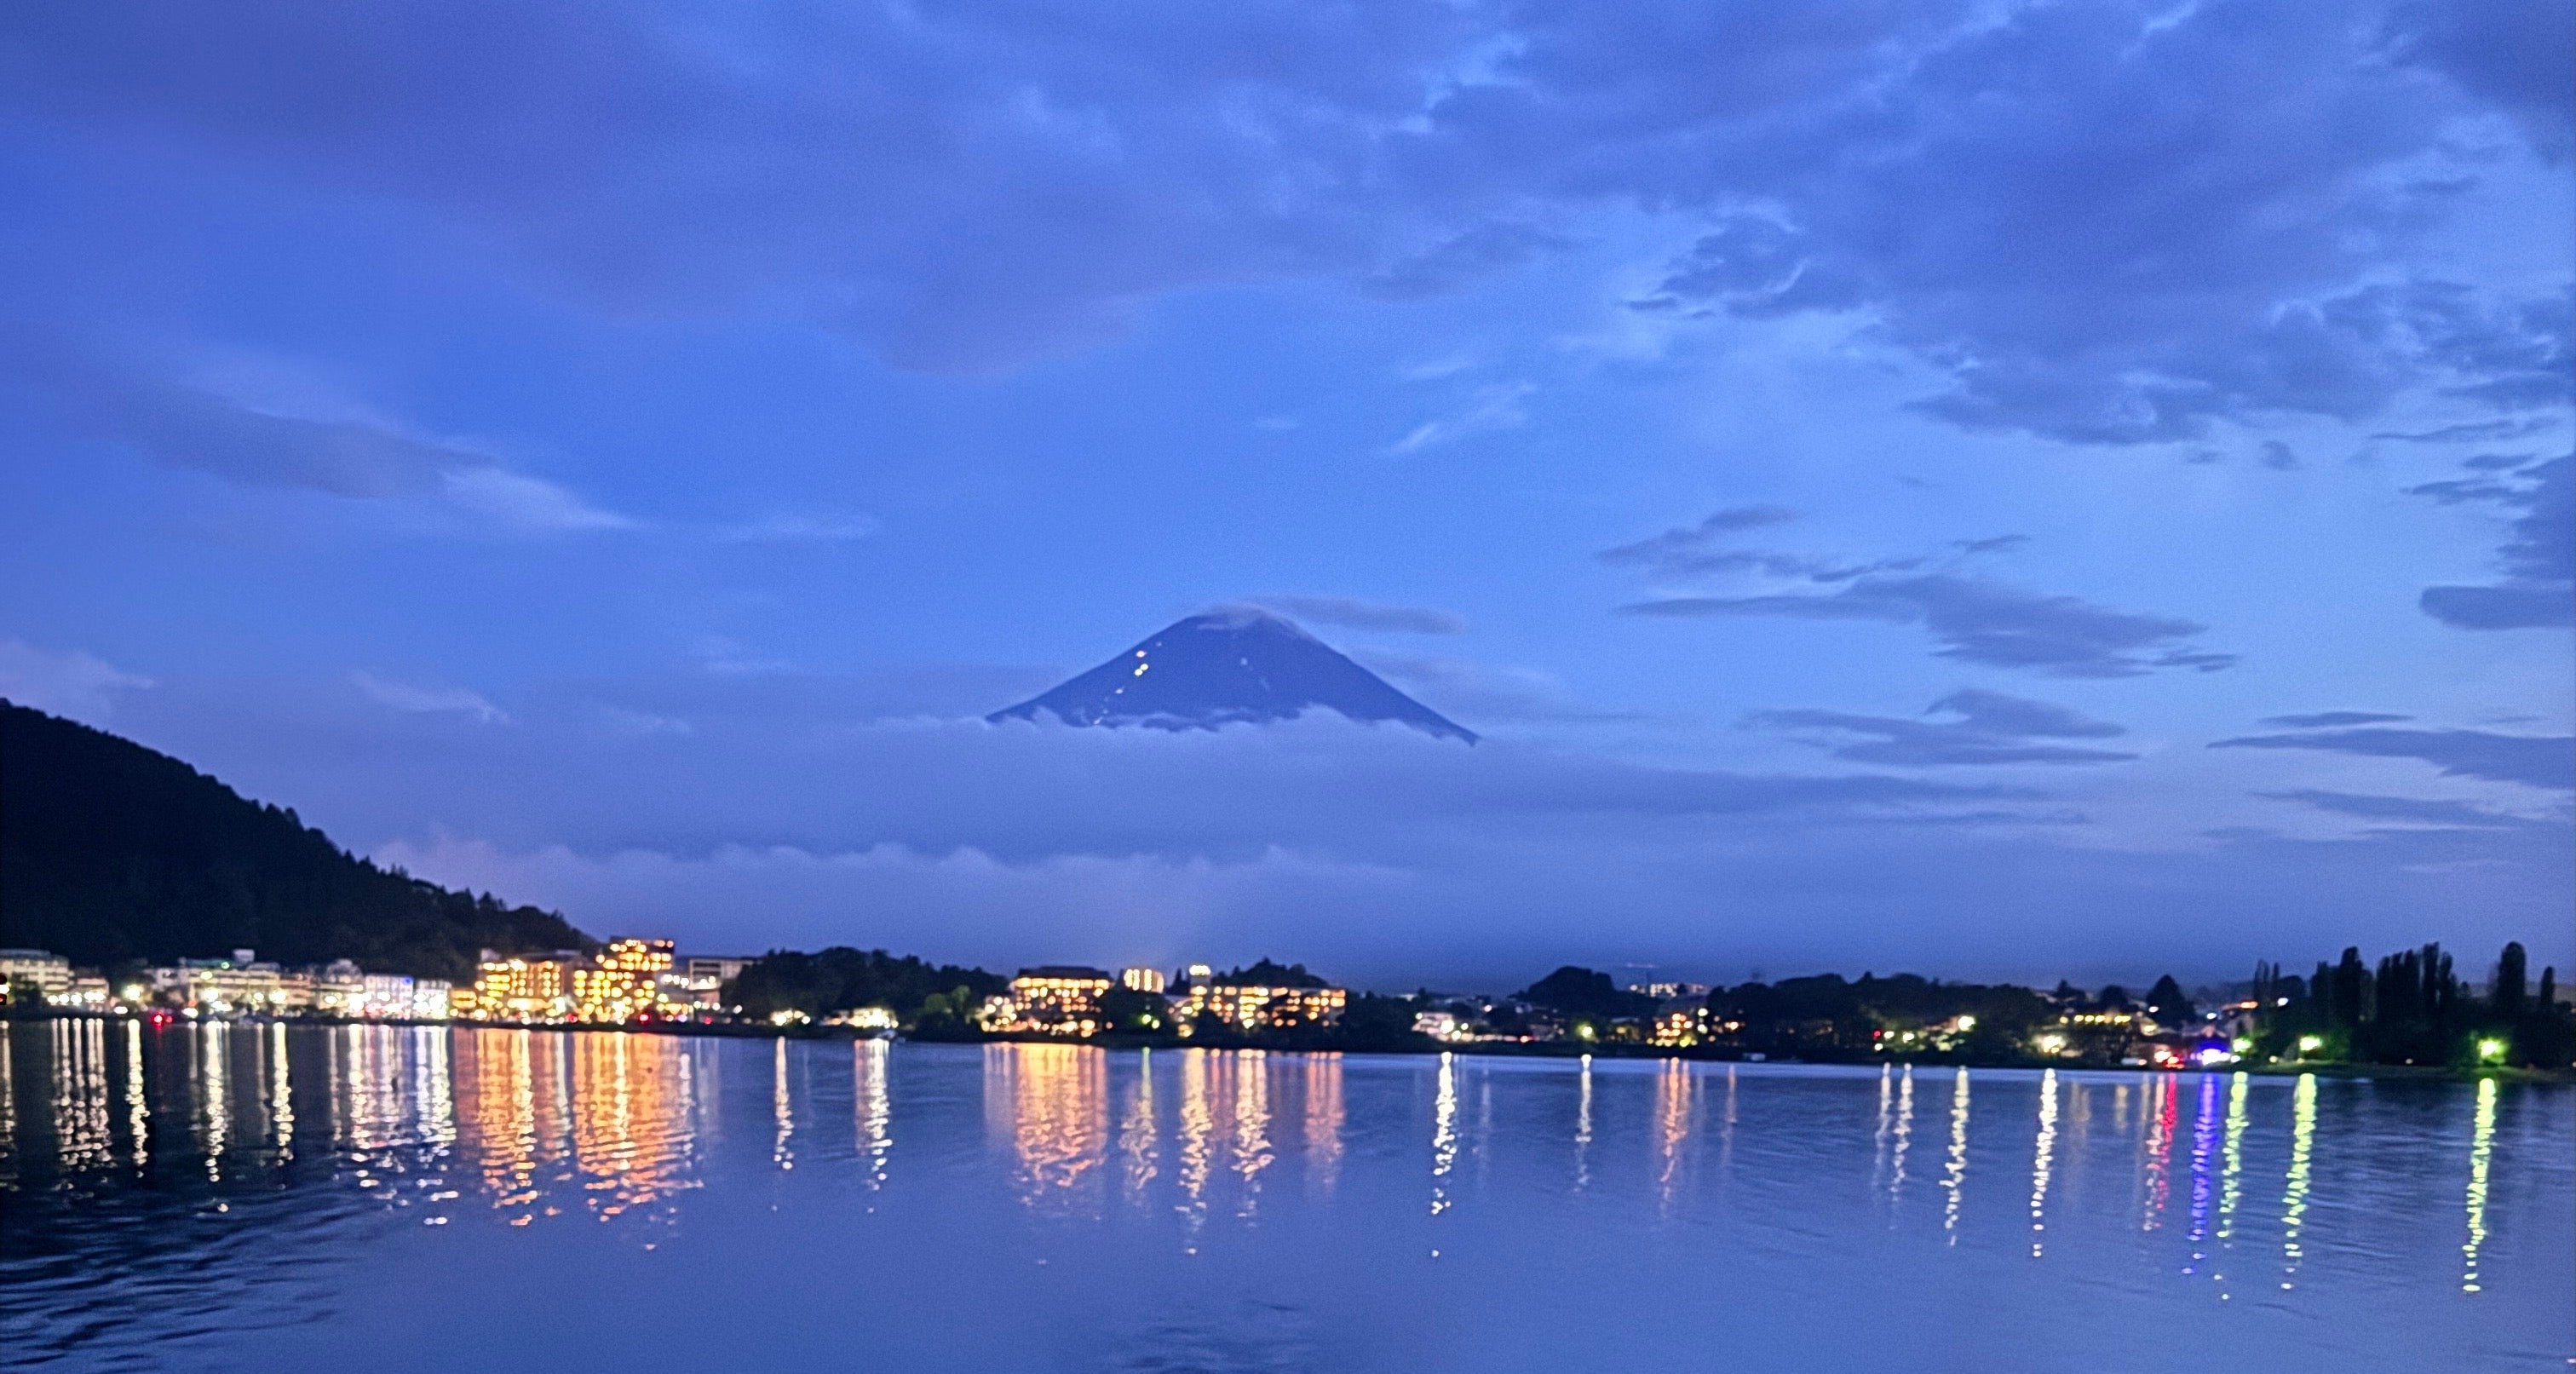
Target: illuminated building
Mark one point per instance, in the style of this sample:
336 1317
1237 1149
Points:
239 985
522 990
339 989
1439 1025
864 1019
383 995
1058 999
34 970
1141 979
703 976
1253 1007
623 984
1679 1026
1665 992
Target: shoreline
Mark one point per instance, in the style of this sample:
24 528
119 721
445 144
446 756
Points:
2407 1073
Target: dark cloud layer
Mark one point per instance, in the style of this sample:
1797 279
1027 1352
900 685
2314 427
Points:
2547 761
2515 53
1984 622
2316 720
2538 556
2110 230
1991 728
2105 223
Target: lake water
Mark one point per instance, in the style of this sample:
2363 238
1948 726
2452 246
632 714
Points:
379 1198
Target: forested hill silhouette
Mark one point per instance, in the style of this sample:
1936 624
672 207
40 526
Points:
111 852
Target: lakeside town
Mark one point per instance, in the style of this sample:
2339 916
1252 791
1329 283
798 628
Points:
2411 1009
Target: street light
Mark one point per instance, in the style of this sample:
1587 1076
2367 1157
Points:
2310 1044
2491 1051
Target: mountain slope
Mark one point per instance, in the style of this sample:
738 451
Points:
1228 666
110 851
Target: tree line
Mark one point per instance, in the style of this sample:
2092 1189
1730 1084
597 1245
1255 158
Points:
2413 1008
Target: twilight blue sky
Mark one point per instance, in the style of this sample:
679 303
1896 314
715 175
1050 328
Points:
1999 489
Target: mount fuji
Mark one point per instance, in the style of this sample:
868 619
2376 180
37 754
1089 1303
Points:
1236 664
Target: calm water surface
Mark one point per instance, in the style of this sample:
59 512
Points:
426 1199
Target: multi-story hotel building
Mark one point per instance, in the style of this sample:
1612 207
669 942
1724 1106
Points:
521 990
1261 1008
36 971
623 984
1058 999
242 984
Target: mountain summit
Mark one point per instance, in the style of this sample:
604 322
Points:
1238 664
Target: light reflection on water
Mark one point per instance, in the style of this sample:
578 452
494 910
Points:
2043 1155
242 1186
2481 1160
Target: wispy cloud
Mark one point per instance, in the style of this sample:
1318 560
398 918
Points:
799 528
631 722
500 498
1487 693
2407 810
729 657
2547 761
1436 369
2474 431
1488 410
1355 614
402 696
1983 622
1689 547
1991 728
70 683
267 424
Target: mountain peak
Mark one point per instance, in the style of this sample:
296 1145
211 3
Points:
1229 664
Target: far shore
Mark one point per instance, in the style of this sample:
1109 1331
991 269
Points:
1553 1049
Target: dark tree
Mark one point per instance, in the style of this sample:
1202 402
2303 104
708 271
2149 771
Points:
2509 980
841 978
1372 1022
1128 1009
1582 992
1269 973
2351 1004
2114 998
2166 1002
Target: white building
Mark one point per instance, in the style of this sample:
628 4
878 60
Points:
238 985
37 971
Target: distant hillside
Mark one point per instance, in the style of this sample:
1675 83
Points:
110 852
